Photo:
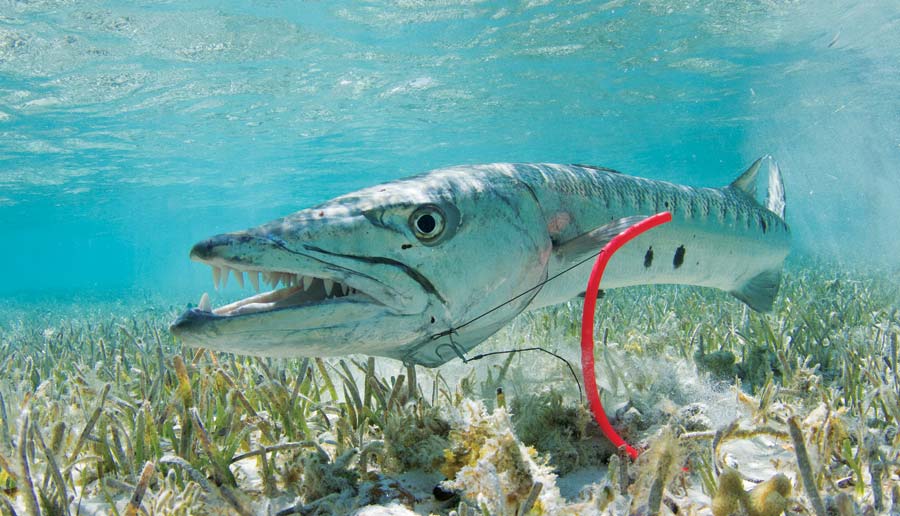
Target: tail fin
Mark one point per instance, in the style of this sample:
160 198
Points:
775 200
747 183
759 291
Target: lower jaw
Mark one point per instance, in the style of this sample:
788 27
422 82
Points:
274 336
350 312
280 299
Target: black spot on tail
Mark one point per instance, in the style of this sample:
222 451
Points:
648 257
679 256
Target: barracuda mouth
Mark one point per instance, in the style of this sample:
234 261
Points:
296 291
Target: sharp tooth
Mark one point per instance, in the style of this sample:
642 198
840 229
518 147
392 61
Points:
225 271
205 305
328 284
239 276
254 279
217 275
289 279
307 282
345 289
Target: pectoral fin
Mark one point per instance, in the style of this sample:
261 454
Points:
590 243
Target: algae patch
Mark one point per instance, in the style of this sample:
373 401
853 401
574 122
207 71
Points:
564 433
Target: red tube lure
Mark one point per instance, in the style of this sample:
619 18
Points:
587 324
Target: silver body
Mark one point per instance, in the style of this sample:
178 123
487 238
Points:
501 230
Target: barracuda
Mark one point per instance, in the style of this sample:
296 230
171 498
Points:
416 269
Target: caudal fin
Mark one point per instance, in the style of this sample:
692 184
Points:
747 183
759 291
775 200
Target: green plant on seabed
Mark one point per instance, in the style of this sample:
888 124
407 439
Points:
102 411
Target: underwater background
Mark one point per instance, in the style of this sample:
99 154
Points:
129 131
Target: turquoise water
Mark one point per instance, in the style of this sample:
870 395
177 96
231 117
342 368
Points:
128 131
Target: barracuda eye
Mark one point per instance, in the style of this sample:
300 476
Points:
427 223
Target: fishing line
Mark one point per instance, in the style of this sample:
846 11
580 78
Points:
535 348
461 354
587 324
452 330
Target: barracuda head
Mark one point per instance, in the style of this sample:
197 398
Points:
381 271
